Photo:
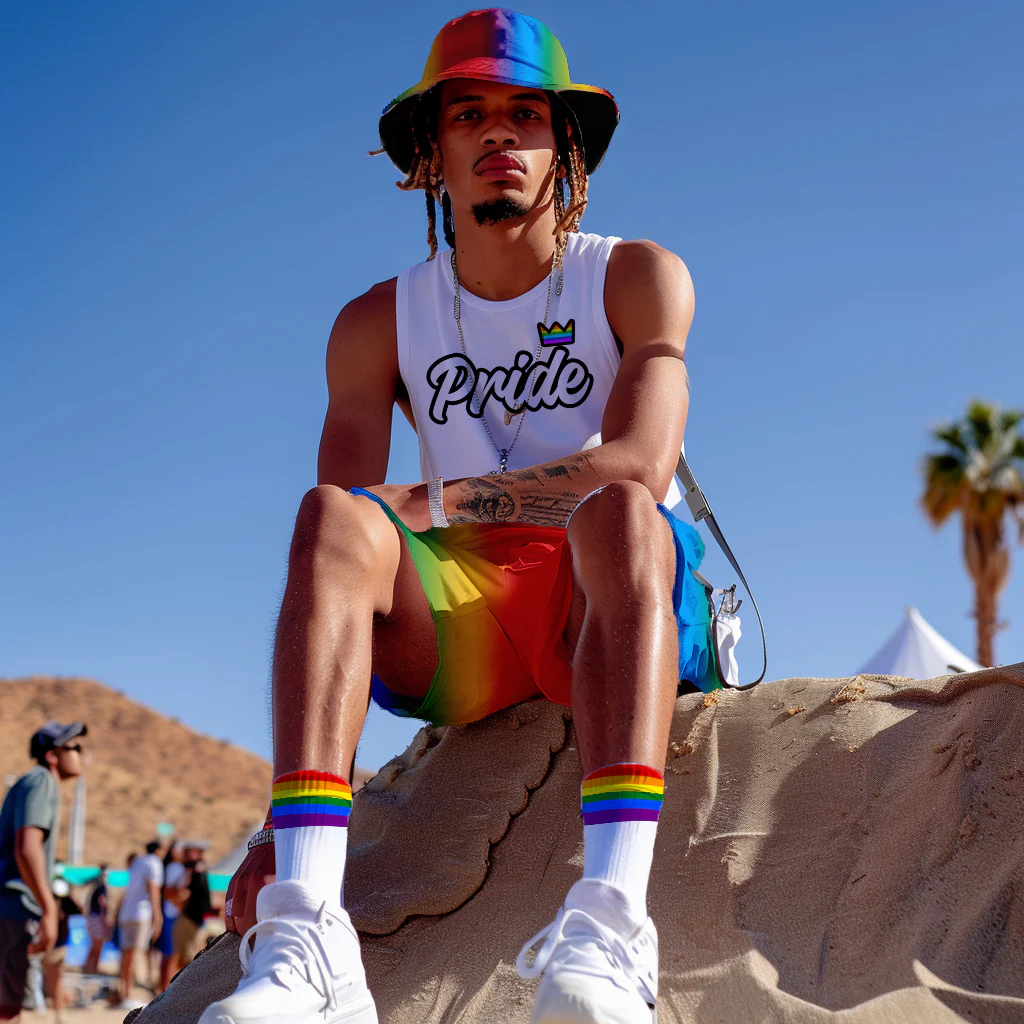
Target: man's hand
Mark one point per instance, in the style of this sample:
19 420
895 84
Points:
407 501
46 934
257 870
158 924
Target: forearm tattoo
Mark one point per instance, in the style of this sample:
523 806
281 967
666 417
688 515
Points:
548 509
486 502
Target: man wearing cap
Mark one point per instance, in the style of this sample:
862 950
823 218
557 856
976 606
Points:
29 821
542 369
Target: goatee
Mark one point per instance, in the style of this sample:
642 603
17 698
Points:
495 210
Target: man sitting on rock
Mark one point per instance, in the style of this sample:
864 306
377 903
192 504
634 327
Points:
542 370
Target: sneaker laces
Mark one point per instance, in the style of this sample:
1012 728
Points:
621 954
293 946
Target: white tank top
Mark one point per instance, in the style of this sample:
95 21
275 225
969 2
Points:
563 374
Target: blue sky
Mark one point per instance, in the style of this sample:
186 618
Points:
187 205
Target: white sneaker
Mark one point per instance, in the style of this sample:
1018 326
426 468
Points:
304 969
598 966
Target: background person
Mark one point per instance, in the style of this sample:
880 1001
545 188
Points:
189 932
141 915
97 920
29 821
174 894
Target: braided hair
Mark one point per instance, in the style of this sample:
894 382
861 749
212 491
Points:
425 172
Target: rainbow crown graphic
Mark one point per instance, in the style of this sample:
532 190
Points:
556 334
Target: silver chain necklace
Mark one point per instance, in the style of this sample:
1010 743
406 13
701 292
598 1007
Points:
504 453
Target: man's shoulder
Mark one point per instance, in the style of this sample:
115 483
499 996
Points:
374 309
36 782
647 288
638 257
366 325
640 270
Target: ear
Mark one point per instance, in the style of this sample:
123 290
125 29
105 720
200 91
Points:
52 758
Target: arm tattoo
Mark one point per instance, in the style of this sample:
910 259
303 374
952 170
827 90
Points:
527 476
548 509
486 502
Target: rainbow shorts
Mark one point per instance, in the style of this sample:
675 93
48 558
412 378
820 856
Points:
499 595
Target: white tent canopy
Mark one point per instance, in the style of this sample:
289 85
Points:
917 651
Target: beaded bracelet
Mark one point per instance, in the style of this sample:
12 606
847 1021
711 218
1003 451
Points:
261 838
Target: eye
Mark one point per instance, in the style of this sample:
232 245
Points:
528 114
466 115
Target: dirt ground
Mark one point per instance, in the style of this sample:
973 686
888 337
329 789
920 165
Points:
97 1012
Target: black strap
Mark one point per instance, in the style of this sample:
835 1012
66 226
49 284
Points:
701 510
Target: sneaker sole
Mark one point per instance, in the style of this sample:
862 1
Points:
560 1018
576 1020
365 1014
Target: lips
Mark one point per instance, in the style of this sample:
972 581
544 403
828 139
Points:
500 162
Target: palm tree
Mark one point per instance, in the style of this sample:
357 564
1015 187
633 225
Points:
980 473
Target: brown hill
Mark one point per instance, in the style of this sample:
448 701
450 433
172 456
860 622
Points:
145 768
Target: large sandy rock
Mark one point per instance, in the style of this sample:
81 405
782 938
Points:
846 851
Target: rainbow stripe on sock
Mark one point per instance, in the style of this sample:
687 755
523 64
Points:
622 792
304 798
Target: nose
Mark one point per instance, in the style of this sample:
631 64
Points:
499 130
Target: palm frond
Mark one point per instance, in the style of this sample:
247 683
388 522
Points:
1009 419
981 417
945 483
951 434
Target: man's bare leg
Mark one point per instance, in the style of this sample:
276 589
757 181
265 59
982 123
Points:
625 634
127 976
600 958
341 572
347 572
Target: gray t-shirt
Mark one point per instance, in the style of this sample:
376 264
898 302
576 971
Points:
34 800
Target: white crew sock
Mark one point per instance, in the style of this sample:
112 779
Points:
310 811
621 853
621 804
315 856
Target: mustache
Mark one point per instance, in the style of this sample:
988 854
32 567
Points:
502 152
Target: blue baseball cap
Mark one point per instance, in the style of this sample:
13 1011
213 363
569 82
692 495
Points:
53 735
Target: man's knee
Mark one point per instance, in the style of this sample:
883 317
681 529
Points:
620 514
336 530
618 533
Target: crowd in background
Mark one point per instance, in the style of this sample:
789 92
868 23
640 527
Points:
157 922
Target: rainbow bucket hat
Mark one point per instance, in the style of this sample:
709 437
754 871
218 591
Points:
498 45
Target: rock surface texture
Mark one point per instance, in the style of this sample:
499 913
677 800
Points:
844 850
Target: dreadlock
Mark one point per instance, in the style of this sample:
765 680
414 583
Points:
570 156
425 172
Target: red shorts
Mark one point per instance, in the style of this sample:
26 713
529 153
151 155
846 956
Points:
500 596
